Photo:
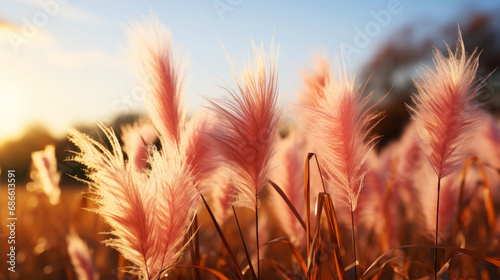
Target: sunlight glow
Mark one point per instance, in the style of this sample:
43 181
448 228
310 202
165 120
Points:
10 113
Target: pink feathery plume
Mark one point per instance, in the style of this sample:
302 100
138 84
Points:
45 176
80 257
148 223
162 74
487 146
222 198
342 123
289 175
195 146
377 205
124 199
341 134
315 82
410 157
409 160
177 204
247 127
446 113
136 139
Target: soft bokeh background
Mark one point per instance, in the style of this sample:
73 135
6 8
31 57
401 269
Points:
64 63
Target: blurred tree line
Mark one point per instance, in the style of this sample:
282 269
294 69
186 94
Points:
391 69
16 154
402 57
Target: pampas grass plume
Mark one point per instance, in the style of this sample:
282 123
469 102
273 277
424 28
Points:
195 148
136 139
341 133
162 74
81 257
149 213
247 126
289 175
45 175
315 82
446 113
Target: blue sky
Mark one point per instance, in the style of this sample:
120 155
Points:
72 66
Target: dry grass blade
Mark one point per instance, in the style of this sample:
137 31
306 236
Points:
316 241
380 274
245 246
492 260
463 175
325 203
224 241
278 267
461 208
295 252
446 266
334 234
307 195
289 203
488 200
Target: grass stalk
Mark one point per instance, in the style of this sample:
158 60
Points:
194 248
257 239
249 260
354 247
289 204
437 227
224 241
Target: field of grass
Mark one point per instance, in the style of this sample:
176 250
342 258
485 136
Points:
234 193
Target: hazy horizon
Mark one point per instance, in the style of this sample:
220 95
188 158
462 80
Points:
64 62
